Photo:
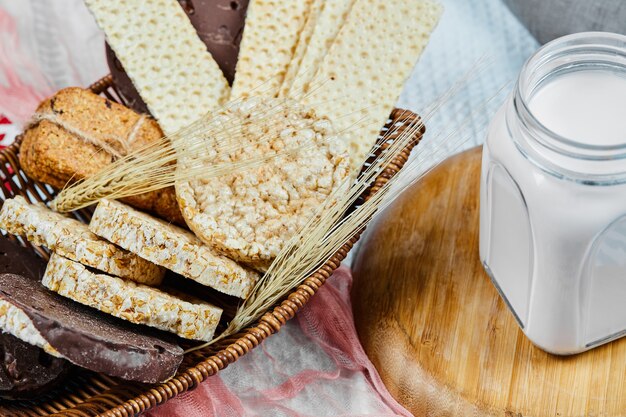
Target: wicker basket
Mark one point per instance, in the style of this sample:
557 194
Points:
89 394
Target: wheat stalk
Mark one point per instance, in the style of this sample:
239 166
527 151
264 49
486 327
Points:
187 155
331 228
320 238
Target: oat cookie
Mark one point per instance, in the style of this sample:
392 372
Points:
190 318
250 215
171 247
72 239
75 134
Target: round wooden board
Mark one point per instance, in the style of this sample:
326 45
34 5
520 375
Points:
434 326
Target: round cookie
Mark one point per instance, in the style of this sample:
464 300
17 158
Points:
249 216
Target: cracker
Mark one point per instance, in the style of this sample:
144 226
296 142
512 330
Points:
72 239
167 62
269 39
190 318
303 42
171 247
249 216
362 75
313 46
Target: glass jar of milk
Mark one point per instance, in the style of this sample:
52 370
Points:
553 194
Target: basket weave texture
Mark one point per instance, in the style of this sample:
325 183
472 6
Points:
89 394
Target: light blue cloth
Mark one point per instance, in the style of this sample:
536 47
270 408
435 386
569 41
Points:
467 32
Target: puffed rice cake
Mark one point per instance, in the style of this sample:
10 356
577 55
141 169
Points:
73 240
190 318
171 247
250 215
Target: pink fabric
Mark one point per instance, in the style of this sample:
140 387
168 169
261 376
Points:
315 366
18 97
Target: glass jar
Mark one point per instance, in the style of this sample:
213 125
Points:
553 194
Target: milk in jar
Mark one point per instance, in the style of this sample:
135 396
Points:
553 194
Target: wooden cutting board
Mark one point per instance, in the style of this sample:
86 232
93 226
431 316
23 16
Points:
434 326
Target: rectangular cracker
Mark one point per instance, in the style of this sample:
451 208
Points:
171 247
303 42
325 21
269 40
72 239
364 71
168 63
190 318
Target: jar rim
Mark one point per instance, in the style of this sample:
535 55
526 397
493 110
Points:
611 45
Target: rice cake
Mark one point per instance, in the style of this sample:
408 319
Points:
311 51
84 336
269 39
362 75
187 317
72 239
249 216
171 247
161 52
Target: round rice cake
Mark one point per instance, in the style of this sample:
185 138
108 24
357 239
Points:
250 215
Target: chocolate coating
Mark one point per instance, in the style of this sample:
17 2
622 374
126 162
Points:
26 370
219 24
15 259
91 339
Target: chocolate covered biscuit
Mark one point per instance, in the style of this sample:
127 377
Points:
84 336
15 259
25 370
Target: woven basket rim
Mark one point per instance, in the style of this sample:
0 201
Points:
250 337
